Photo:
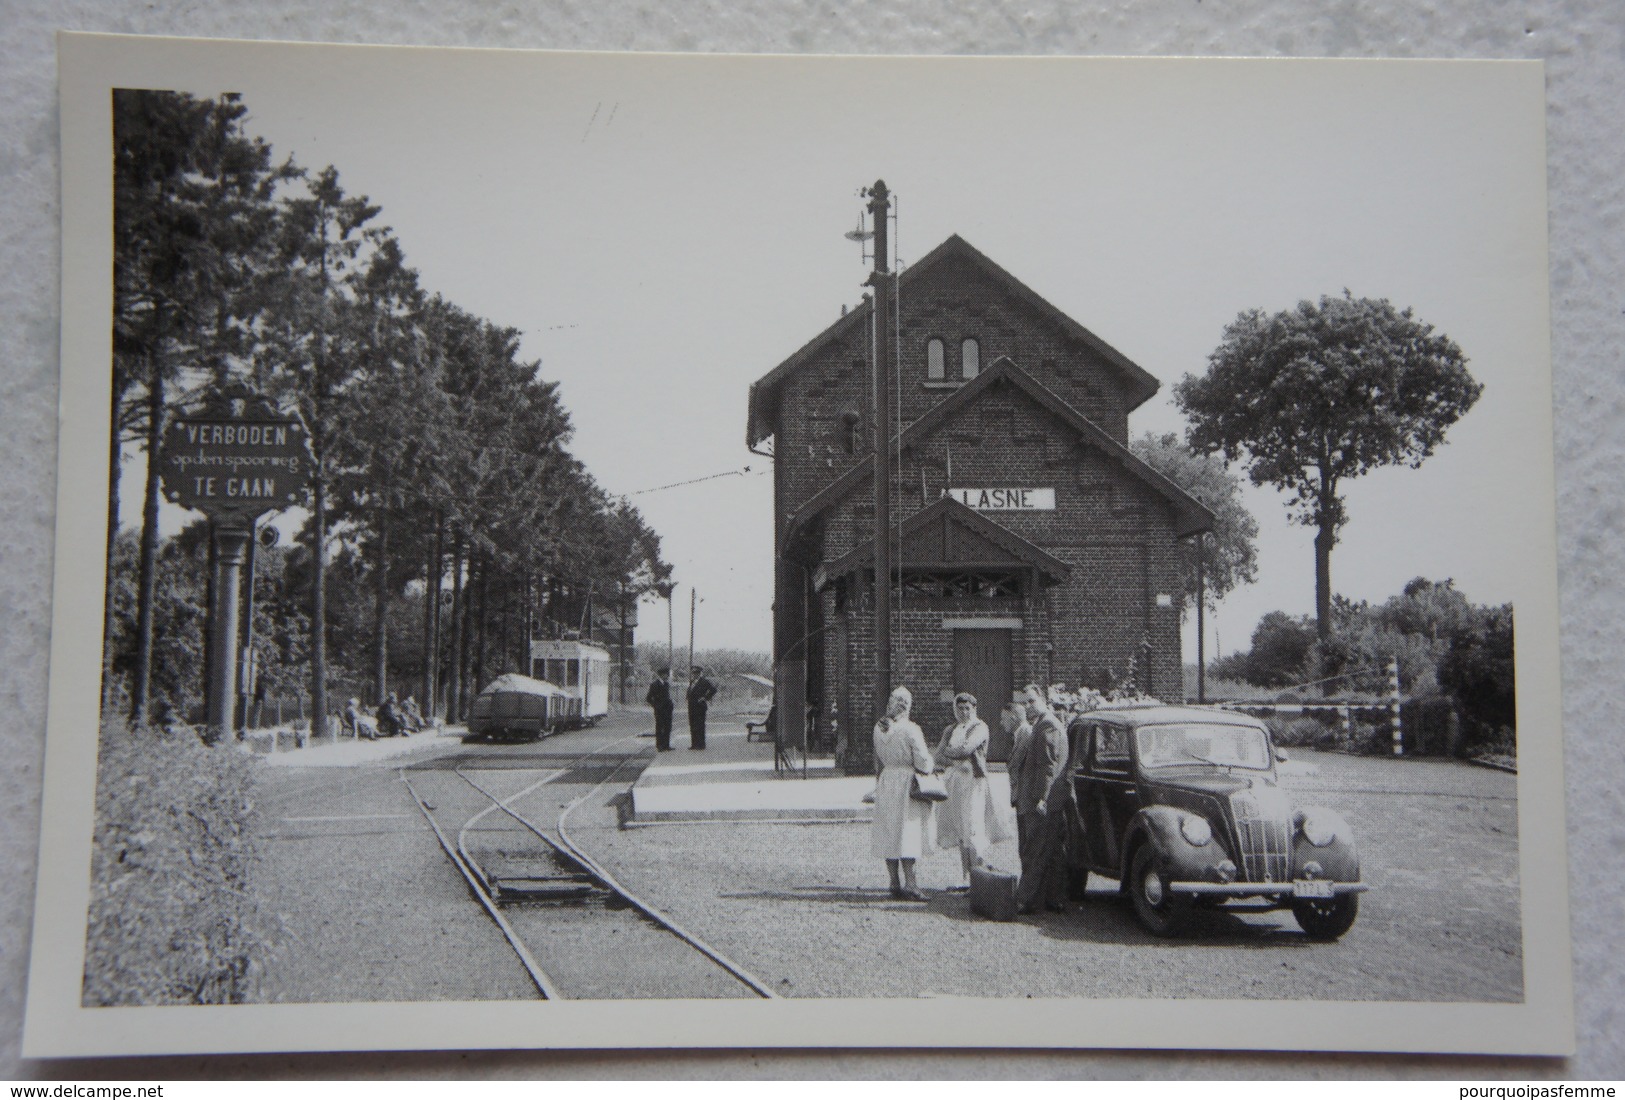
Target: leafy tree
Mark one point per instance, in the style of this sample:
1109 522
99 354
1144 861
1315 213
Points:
1479 671
1322 393
1230 556
1280 651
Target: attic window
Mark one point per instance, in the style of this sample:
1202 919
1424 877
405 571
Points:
936 360
970 358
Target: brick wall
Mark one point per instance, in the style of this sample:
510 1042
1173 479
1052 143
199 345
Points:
956 298
1115 532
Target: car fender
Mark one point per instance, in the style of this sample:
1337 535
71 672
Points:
1159 826
1339 860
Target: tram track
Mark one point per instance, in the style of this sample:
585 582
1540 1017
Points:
576 929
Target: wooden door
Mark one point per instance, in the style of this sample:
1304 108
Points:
982 667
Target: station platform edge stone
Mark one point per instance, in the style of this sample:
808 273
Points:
733 779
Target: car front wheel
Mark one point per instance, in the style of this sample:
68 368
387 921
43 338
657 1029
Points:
1160 910
1326 918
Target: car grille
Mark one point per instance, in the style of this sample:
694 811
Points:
1263 826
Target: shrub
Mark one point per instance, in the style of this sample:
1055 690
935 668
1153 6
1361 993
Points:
171 915
1304 732
1372 739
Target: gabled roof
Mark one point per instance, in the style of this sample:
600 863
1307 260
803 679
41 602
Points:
951 513
1190 515
764 392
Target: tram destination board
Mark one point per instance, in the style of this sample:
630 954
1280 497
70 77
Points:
236 457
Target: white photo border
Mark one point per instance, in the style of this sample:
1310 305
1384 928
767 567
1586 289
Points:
59 1026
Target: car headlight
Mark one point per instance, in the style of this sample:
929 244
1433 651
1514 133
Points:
1196 830
1319 829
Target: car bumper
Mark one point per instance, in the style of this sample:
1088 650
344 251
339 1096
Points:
1255 889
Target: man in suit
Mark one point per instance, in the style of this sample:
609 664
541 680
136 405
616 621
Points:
659 698
700 691
1041 789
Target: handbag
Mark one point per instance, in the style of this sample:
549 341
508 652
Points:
928 788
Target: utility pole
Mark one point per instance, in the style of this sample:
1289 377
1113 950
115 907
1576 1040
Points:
693 604
882 282
1201 619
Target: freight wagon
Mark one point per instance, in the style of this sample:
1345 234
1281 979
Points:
517 708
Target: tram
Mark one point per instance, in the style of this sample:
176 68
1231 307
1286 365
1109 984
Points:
579 669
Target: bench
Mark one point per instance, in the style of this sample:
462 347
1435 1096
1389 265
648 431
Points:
761 729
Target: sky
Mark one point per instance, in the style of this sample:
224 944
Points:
666 229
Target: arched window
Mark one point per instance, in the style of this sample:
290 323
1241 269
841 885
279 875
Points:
970 358
936 360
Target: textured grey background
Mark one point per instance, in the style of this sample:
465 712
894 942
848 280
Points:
1583 45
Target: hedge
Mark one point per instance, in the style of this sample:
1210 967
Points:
172 920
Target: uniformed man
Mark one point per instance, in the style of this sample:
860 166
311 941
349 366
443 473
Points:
659 699
700 691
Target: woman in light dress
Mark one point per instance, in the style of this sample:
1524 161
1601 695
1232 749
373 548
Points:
970 820
902 825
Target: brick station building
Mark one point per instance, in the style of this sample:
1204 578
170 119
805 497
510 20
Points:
1029 545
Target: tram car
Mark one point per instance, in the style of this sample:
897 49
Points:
578 668
518 708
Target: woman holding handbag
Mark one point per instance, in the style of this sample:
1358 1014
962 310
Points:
902 822
970 821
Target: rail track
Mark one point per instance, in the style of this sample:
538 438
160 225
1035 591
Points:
578 932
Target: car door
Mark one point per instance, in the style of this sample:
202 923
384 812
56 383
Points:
1116 798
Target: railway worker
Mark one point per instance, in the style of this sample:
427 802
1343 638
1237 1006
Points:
700 692
659 698
1041 790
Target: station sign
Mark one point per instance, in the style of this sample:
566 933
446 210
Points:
1006 498
236 458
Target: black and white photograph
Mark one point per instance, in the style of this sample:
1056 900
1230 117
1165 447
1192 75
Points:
585 549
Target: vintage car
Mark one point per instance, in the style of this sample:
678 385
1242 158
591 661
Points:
1184 807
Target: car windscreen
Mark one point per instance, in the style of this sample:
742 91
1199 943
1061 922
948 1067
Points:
1190 743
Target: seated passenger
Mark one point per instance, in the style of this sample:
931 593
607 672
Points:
389 717
357 723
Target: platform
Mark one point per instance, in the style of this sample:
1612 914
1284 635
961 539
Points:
733 779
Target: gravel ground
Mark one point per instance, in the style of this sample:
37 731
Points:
805 907
369 906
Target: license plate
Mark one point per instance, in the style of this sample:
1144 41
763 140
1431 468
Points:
1311 888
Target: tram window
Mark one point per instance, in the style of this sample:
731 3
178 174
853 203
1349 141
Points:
555 671
572 670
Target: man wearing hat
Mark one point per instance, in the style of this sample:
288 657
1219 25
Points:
700 691
659 698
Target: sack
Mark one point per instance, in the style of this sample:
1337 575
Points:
992 894
928 788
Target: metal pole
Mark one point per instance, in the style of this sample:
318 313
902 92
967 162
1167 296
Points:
881 280
246 660
231 545
1201 619
693 603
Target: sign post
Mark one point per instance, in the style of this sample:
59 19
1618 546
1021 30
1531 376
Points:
235 459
